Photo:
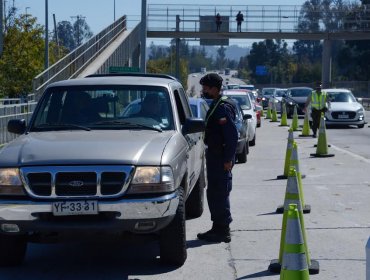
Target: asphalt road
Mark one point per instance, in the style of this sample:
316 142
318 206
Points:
352 139
337 229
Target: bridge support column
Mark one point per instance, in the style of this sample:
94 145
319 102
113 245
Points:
177 48
135 55
143 26
326 64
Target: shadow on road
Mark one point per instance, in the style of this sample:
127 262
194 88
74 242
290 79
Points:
102 257
198 243
256 275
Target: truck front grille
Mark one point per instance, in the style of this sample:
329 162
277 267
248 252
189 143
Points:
76 181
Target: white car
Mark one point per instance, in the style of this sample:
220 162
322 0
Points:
344 109
248 107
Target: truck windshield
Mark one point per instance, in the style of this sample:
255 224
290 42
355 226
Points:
104 107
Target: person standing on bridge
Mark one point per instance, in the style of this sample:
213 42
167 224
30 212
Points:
218 22
239 20
319 104
221 137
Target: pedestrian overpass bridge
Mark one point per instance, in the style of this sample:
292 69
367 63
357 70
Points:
118 46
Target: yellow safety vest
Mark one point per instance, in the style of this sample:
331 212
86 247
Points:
318 101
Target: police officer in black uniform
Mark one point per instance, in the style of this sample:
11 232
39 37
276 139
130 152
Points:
221 137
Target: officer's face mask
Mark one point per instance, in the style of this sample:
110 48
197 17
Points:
206 93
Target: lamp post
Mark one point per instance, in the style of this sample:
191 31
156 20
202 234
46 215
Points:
114 10
1 28
143 26
46 65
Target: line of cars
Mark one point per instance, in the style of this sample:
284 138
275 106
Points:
343 109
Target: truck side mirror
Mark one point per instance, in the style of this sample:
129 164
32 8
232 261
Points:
193 125
17 126
247 117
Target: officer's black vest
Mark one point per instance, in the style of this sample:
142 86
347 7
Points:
213 134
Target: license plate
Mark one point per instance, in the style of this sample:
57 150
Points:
78 207
343 116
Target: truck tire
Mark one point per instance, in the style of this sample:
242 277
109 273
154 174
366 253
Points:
12 249
195 201
253 141
242 157
172 239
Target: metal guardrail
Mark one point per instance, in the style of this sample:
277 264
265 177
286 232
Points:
257 18
8 112
127 54
76 61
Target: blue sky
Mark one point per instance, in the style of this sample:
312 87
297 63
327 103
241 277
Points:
100 13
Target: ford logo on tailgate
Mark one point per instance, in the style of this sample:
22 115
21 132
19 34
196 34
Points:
76 183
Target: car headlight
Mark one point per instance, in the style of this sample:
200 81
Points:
10 182
152 179
290 103
360 111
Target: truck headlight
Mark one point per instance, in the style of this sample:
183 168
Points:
152 179
10 182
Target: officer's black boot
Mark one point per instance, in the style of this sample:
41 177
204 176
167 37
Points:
218 233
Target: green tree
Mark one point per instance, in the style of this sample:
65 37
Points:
23 56
220 62
163 66
81 30
157 52
65 35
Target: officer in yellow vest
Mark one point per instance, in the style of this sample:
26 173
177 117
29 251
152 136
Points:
319 104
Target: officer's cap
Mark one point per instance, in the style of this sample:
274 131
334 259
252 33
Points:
211 80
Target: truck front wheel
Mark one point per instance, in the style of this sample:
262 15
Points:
195 201
172 240
12 249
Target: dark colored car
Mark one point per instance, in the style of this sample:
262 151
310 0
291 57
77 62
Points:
241 122
265 96
295 96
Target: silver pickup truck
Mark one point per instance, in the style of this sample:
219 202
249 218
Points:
106 152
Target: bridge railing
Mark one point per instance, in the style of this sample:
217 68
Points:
125 54
76 61
257 18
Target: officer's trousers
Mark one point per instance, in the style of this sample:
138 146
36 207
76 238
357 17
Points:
218 190
316 117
